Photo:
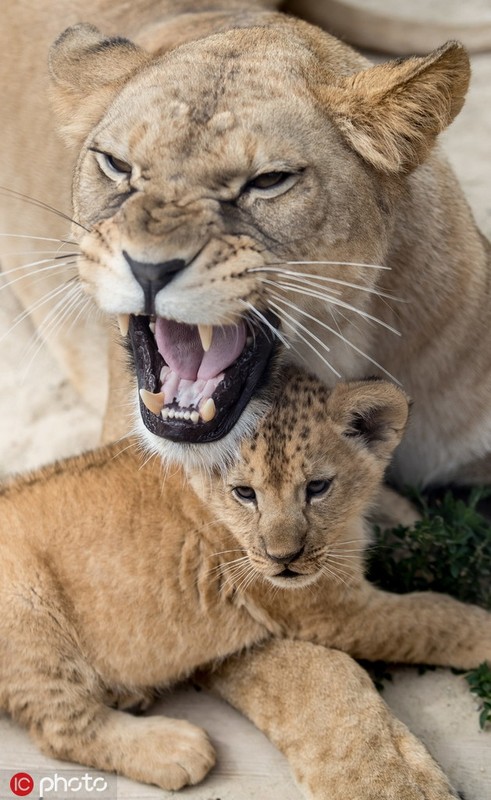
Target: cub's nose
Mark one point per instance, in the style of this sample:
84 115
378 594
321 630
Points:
285 558
153 277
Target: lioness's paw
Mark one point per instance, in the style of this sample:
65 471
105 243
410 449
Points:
170 753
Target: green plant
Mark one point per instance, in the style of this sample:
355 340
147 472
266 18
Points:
448 550
479 681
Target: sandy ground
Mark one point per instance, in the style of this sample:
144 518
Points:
40 419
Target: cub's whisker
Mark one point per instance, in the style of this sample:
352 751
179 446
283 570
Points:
333 574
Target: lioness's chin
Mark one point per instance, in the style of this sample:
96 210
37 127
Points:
209 456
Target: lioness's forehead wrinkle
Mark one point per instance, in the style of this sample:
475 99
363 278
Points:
205 78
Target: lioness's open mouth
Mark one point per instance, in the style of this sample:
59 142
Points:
195 381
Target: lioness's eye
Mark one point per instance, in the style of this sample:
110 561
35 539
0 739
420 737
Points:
317 488
112 166
244 493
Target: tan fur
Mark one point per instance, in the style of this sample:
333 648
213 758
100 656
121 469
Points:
105 601
194 109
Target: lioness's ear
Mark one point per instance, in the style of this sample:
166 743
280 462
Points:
392 113
87 69
373 412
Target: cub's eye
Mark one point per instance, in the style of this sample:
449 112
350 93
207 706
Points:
267 180
271 184
317 488
115 168
245 494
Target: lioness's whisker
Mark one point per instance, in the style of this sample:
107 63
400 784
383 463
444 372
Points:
87 305
54 253
306 277
40 204
332 300
341 264
51 324
338 335
294 325
336 312
33 273
44 329
34 307
71 305
263 319
38 238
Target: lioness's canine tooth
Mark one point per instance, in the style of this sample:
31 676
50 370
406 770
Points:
208 410
206 335
124 323
154 402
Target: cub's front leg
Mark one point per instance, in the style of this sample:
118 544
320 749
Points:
48 685
415 628
323 712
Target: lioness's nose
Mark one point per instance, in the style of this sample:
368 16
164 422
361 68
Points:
285 558
153 277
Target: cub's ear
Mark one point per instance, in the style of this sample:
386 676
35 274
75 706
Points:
392 113
87 69
375 413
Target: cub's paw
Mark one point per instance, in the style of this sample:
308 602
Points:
170 753
429 781
391 764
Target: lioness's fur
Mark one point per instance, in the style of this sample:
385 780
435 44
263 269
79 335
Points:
245 90
102 601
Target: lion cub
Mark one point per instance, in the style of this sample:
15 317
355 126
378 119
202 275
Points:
115 581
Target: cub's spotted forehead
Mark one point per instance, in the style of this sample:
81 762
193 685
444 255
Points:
289 434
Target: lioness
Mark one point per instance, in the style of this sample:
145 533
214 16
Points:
99 606
244 181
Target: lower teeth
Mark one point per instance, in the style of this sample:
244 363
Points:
171 413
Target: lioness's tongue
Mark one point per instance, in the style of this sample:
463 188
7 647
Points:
180 346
